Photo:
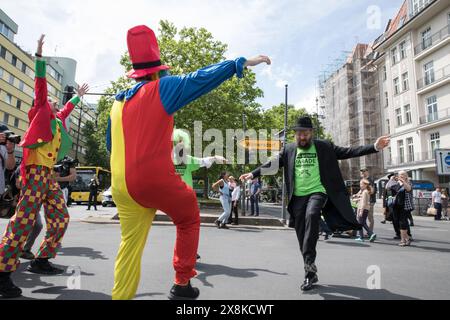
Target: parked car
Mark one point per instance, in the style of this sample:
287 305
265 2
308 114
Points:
107 198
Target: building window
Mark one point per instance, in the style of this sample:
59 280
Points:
401 151
402 47
426 38
8 98
3 52
396 86
410 146
18 104
6 118
398 116
1 73
407 111
11 79
388 126
432 109
435 142
24 68
429 73
16 122
14 60
384 73
21 85
394 56
405 83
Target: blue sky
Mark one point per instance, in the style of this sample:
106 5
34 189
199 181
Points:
300 36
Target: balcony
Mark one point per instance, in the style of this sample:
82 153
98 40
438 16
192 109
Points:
434 117
412 160
433 79
432 41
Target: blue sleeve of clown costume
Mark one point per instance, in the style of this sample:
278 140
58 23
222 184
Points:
178 91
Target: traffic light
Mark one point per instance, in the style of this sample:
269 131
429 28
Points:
68 94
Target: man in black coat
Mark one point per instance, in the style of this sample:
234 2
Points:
314 184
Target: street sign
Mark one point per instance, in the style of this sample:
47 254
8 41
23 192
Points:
273 145
443 162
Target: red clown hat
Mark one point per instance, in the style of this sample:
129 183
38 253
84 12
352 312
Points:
144 52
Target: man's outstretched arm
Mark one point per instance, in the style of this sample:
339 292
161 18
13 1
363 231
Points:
353 152
178 91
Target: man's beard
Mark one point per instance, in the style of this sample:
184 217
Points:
307 145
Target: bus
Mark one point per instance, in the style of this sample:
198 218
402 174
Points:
80 187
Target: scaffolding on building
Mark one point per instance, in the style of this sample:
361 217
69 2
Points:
350 104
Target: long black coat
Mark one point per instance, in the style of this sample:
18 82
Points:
338 212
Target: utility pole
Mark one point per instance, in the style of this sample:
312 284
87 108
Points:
243 168
283 197
79 128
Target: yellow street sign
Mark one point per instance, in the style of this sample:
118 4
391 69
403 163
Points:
261 144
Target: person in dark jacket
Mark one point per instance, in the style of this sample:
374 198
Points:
315 185
93 191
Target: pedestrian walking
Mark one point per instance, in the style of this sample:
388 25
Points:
93 192
235 196
403 203
436 202
363 210
255 190
223 185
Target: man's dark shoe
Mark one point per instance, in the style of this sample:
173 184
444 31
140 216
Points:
183 292
7 288
198 256
383 222
223 226
28 255
217 222
396 238
42 266
309 282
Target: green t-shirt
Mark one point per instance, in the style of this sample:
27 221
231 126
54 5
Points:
185 169
307 175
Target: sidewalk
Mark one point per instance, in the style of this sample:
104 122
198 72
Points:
206 220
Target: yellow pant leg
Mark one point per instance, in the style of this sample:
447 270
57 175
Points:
135 223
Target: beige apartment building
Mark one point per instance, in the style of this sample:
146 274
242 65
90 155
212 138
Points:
413 66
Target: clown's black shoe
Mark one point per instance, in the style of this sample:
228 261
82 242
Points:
183 292
8 289
42 266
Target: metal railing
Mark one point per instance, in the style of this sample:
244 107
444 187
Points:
434 77
435 116
432 40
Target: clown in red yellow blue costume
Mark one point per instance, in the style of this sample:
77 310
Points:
45 142
143 175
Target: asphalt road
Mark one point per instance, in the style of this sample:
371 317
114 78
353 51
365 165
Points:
251 264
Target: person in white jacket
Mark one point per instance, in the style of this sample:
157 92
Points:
235 196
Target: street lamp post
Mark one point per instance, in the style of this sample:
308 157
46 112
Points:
283 198
79 128
243 168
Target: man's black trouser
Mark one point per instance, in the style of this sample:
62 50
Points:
306 211
92 200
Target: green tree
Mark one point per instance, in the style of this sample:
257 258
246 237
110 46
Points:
95 156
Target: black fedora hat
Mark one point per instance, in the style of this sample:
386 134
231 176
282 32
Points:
303 123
